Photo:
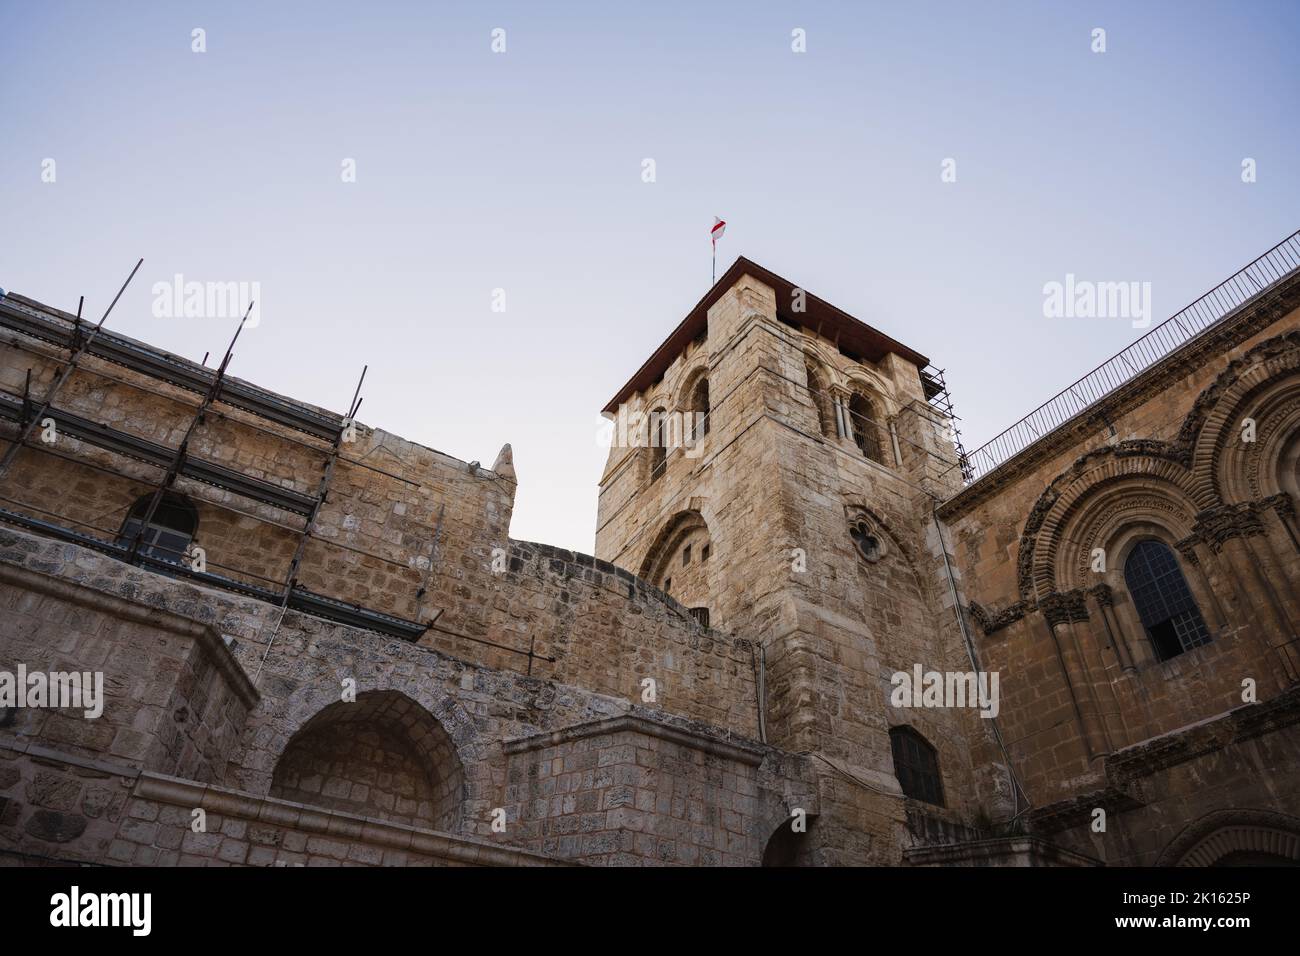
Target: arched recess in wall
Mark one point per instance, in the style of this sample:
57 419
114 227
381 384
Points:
1236 838
1105 490
868 413
1250 443
1117 529
1100 527
788 847
680 559
819 394
695 403
382 756
658 437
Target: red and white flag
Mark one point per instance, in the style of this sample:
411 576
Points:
719 227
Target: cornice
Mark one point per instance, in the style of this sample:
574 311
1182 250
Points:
1243 723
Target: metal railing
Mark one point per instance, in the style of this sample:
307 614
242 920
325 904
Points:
1206 312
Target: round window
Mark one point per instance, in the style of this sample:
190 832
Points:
865 540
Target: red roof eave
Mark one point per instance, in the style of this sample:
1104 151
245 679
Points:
820 316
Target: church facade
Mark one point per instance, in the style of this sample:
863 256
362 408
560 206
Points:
813 631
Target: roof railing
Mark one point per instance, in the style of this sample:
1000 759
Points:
1209 310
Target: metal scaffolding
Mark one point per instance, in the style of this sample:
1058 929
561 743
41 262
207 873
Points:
175 462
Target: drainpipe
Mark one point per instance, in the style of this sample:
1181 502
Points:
759 664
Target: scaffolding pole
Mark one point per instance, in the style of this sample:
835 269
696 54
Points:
178 459
322 491
75 353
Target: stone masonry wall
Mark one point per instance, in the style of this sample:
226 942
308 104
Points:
778 496
1081 680
474 708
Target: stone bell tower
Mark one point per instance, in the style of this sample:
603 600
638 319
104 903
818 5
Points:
800 515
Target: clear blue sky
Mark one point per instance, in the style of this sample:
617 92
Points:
522 171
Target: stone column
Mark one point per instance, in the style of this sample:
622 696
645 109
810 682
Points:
1272 561
1226 528
1059 610
1275 626
1209 574
1282 509
893 437
843 428
1105 601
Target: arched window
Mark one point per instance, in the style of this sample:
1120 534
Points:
658 444
821 401
168 535
1163 601
866 432
698 426
916 765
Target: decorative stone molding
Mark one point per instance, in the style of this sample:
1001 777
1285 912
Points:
1025 568
1187 548
867 541
1099 522
695 735
1258 466
856 508
1179 746
991 623
1001 851
1211 396
1220 524
1223 832
1282 504
1137 459
1063 607
1102 594
1077 811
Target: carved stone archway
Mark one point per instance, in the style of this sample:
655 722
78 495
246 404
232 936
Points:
1236 837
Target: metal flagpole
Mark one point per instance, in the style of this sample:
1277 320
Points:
715 234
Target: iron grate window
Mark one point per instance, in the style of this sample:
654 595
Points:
1164 602
865 434
916 765
658 446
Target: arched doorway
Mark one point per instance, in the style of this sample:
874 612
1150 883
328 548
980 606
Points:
788 846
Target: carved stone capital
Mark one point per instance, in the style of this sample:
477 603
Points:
1282 504
1187 548
990 623
1061 607
1222 523
1102 594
